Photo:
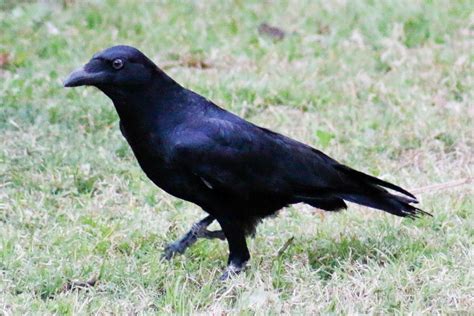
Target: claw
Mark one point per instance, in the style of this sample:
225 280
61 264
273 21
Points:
198 230
172 249
232 270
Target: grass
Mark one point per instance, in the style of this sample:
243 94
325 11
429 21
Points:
384 86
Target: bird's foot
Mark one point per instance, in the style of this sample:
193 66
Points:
232 270
180 246
174 248
198 230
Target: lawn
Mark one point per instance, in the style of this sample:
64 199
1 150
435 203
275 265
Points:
386 87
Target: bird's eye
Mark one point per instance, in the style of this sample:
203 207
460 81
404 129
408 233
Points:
117 63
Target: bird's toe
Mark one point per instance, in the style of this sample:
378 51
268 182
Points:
172 249
232 270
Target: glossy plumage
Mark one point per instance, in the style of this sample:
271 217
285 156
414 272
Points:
238 172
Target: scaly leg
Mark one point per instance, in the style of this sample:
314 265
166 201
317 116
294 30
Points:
238 251
198 230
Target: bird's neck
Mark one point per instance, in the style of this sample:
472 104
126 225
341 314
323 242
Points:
139 104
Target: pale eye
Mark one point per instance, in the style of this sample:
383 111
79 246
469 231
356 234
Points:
117 63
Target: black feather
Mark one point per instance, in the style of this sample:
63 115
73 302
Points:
328 204
362 177
237 172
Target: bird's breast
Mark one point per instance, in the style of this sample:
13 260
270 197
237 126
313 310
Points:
150 151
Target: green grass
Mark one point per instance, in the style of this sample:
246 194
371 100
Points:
384 86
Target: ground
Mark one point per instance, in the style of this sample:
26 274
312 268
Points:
386 87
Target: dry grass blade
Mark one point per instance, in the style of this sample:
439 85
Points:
187 61
442 186
271 31
79 285
5 60
285 246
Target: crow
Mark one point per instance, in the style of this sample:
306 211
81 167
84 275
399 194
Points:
237 172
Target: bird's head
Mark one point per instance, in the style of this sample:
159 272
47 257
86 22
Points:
115 68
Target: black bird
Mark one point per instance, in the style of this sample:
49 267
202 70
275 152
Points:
237 172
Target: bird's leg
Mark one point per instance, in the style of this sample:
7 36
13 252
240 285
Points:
198 230
213 234
238 251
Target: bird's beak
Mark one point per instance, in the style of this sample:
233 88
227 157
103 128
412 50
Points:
81 77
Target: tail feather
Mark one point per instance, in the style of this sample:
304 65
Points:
327 204
393 204
373 180
369 191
